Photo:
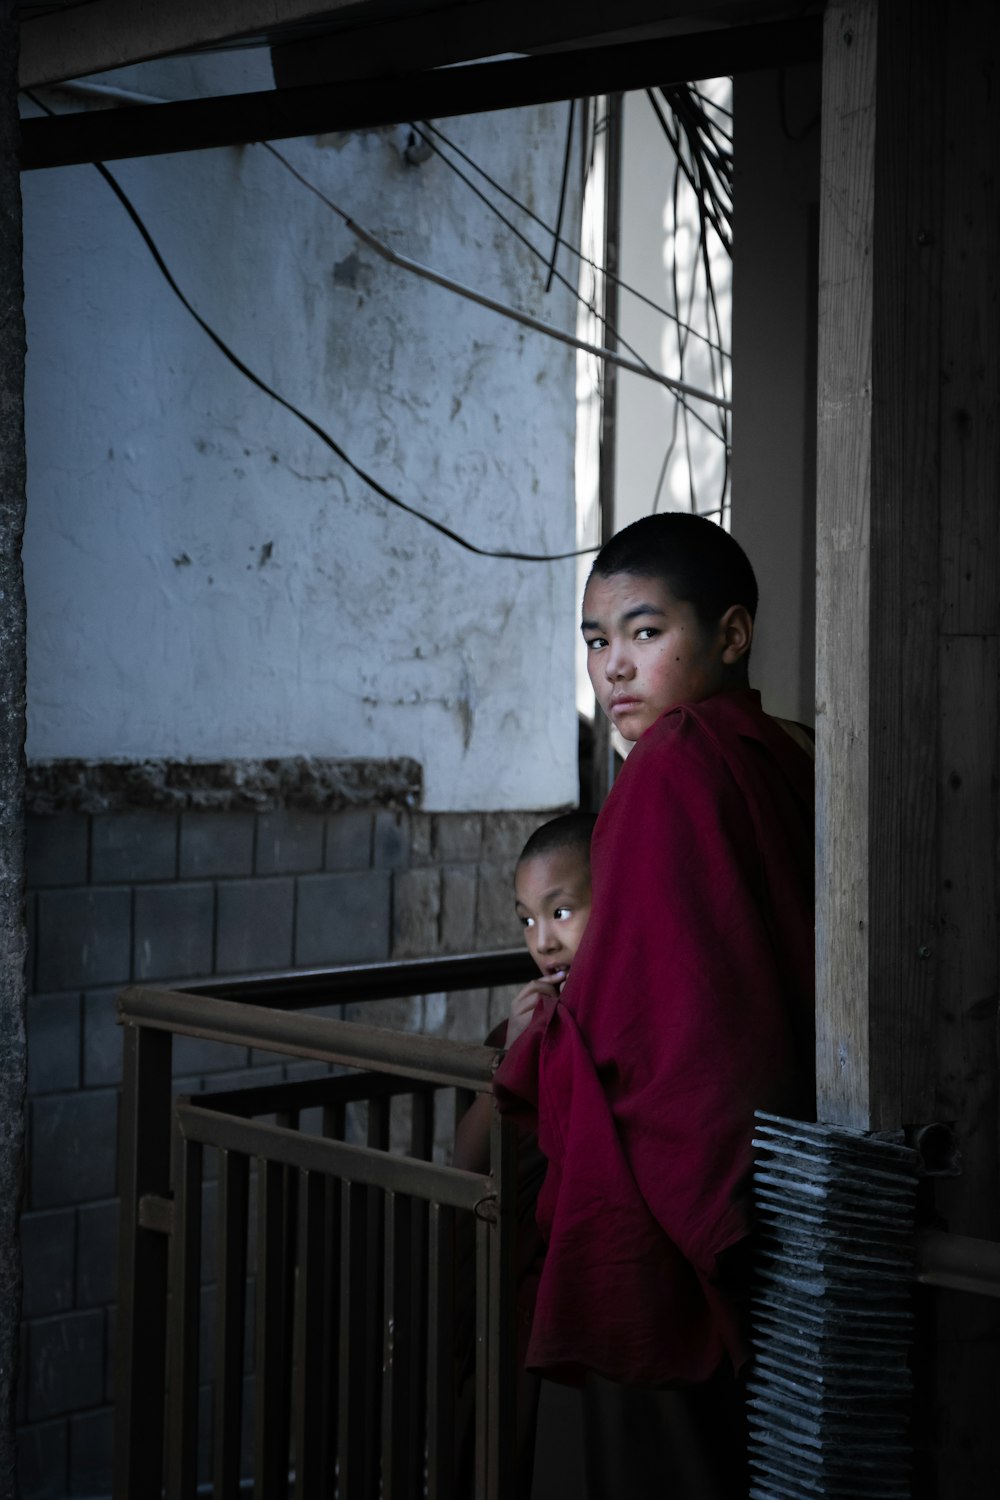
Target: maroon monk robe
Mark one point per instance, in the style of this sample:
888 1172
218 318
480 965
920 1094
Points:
689 1005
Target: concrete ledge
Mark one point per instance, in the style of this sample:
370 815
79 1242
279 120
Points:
81 786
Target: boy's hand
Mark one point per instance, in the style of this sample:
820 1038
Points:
523 1005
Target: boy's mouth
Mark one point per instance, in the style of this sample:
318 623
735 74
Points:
623 705
556 971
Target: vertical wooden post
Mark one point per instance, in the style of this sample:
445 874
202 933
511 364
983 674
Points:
12 681
843 485
908 636
141 1329
877 559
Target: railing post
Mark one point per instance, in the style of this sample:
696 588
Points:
185 1308
498 1392
401 1478
312 1329
441 1354
231 1290
273 1362
392 1292
141 1345
354 1429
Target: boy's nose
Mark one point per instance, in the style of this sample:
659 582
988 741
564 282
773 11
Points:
547 939
617 663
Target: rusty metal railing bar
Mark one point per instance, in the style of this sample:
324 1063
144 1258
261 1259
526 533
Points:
434 1059
497 1311
185 1291
231 1277
399 1418
311 1332
359 1164
375 1248
355 1270
272 1362
440 1354
330 1331
296 989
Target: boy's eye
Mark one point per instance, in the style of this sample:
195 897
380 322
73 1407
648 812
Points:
526 921
562 912
596 642
647 633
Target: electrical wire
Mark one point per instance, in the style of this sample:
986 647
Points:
314 427
690 126
674 139
556 235
710 179
678 387
609 329
719 108
684 329
564 243
688 411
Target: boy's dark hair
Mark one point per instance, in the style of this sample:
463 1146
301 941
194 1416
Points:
568 831
698 561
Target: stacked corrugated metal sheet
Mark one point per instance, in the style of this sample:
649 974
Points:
829 1388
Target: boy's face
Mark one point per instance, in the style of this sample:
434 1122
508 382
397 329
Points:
647 651
552 901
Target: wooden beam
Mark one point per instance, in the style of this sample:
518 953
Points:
908 674
110 34
877 560
433 37
843 483
908 542
278 114
107 34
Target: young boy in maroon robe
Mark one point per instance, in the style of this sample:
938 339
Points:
552 903
689 1005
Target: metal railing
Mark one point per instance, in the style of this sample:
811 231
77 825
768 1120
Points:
342 1251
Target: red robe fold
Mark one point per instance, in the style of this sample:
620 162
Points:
689 1005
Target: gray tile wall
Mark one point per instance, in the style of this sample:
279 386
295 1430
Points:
159 896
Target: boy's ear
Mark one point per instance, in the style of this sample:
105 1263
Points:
736 630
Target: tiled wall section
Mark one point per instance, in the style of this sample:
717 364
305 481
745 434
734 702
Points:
160 896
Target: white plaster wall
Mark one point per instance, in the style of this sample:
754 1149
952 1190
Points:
647 411
205 579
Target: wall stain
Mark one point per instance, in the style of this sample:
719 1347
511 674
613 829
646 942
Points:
351 272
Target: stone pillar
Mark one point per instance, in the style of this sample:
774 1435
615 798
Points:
12 681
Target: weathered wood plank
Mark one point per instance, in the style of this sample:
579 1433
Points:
112 33
970 456
968 958
370 39
843 479
878 566
904 605
963 1437
965 1434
